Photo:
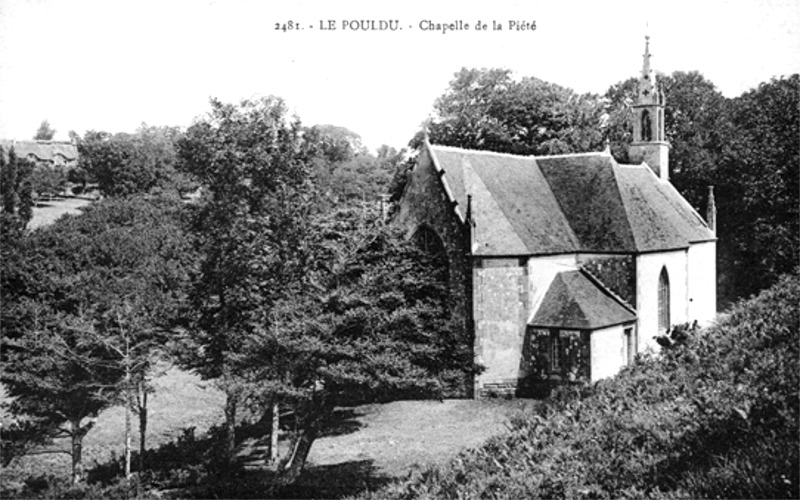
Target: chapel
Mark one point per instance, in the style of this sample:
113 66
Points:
564 267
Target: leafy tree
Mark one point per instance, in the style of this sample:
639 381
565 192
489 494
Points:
335 144
254 168
49 370
45 132
48 181
758 198
288 305
698 127
488 109
619 100
371 325
343 169
124 164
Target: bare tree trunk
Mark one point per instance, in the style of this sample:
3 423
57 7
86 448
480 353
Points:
128 406
273 436
292 466
142 424
77 450
127 435
231 401
296 460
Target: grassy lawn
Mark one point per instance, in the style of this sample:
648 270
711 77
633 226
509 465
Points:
399 436
48 212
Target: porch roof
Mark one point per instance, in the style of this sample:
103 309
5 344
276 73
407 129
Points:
574 301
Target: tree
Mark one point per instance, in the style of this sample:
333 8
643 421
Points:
16 195
758 187
488 109
254 167
48 181
371 325
49 364
335 144
45 132
125 164
343 169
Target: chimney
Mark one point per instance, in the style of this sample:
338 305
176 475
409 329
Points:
711 210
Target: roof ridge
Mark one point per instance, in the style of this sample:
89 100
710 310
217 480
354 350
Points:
603 153
483 151
602 286
565 155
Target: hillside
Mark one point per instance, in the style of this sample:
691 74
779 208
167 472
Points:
715 417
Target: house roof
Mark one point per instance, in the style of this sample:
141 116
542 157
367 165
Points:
41 150
575 301
525 205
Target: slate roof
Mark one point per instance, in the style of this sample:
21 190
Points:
576 302
525 205
42 150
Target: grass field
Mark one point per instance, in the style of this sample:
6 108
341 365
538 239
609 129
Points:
48 212
367 445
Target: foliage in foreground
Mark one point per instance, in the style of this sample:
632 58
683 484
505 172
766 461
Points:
715 416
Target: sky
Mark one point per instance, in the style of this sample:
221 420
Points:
113 65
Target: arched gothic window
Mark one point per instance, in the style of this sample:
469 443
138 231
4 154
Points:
663 301
429 241
647 129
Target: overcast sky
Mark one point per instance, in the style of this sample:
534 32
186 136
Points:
111 65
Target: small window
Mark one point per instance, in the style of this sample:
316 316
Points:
630 346
663 301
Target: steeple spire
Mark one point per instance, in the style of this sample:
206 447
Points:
646 63
648 88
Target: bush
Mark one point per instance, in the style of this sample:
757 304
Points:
716 415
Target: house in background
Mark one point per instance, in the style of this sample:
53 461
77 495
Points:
44 153
564 267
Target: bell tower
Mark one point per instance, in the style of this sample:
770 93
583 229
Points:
649 142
